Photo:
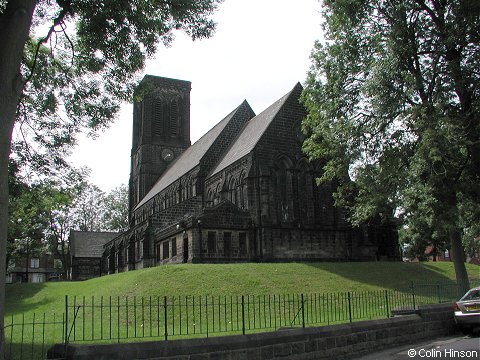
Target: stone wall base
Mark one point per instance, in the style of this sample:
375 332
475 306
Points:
342 341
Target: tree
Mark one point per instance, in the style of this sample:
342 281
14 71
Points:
393 102
42 214
28 221
115 217
75 76
88 208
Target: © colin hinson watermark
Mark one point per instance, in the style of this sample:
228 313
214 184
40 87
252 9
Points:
443 354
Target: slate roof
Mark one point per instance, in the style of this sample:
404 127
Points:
250 135
189 159
89 243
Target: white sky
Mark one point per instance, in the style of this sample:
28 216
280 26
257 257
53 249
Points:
259 52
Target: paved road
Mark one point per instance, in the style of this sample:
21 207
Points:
458 347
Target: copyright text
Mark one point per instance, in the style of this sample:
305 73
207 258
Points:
445 353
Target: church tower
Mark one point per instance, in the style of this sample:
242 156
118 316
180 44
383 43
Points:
161 131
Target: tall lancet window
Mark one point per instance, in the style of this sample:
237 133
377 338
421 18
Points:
157 117
232 191
174 117
283 185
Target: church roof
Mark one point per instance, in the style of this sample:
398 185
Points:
190 158
251 134
89 243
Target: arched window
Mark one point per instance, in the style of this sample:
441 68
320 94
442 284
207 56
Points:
189 188
242 192
174 117
209 200
183 191
163 203
176 194
284 189
186 189
192 187
157 118
232 190
216 196
305 200
157 111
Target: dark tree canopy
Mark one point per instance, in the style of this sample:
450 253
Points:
66 65
78 71
393 101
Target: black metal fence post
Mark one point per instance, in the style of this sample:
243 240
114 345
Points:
349 306
118 319
303 312
66 320
386 303
438 293
206 312
412 286
243 315
166 320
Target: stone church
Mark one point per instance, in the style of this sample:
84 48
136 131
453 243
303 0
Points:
243 192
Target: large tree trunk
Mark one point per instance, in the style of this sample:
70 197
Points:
456 246
459 261
6 127
15 24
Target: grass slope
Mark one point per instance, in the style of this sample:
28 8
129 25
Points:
232 279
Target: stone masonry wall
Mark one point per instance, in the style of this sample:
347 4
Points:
342 341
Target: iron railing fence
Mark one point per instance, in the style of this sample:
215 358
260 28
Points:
120 319
30 336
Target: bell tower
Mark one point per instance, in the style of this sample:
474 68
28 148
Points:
161 131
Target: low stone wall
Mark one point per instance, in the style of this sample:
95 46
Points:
342 341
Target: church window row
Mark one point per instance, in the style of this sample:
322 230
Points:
227 241
170 198
235 192
296 194
188 191
121 254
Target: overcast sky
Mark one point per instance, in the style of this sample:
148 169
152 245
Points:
259 52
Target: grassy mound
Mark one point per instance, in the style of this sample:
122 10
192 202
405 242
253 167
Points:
232 279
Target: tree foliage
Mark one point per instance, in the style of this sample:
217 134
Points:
115 217
94 210
81 61
87 208
393 101
28 218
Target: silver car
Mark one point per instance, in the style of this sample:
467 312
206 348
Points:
467 311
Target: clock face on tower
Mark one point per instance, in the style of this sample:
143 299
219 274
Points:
167 154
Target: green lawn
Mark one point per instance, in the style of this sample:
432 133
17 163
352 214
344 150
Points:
191 300
232 279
